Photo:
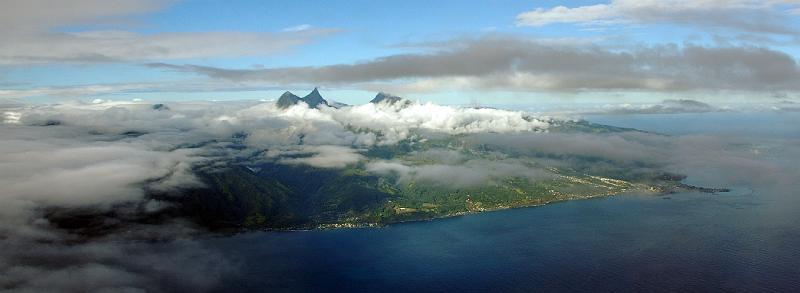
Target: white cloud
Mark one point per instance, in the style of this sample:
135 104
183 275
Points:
559 14
65 173
746 15
326 156
29 30
297 28
394 123
467 173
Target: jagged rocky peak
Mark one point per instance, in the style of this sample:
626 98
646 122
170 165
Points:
388 99
314 99
287 99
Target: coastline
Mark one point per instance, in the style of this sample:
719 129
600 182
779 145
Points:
653 190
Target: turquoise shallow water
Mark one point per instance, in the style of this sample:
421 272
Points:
746 240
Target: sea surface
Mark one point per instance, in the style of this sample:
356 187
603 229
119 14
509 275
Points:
745 240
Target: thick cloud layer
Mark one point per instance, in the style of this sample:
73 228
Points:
107 156
504 63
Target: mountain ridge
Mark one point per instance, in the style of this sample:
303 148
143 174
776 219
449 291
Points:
313 99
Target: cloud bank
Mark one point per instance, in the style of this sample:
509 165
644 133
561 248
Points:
514 64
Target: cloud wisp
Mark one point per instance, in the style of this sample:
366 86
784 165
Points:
124 46
31 33
752 16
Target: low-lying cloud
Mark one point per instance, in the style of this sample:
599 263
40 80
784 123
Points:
105 157
665 107
327 156
469 173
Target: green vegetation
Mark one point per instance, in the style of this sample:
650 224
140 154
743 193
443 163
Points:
286 196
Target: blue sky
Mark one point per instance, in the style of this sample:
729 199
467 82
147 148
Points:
100 49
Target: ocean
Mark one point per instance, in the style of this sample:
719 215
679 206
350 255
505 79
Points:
744 240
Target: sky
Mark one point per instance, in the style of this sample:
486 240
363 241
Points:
449 52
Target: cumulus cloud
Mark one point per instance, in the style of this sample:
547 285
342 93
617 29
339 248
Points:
504 63
371 124
395 121
771 17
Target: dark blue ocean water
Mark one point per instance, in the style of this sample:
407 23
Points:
746 240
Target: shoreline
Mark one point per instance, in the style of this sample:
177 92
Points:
651 190
337 226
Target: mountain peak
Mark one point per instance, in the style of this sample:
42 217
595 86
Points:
288 94
314 99
388 98
287 99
